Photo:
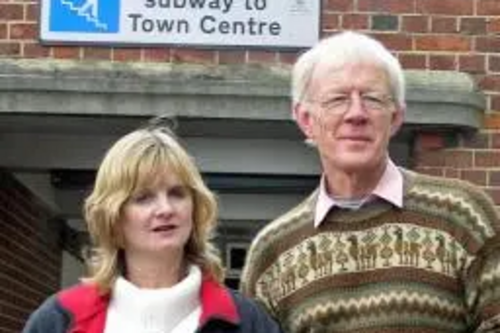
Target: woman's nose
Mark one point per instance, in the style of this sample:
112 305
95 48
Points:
163 204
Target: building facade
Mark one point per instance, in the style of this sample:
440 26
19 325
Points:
62 105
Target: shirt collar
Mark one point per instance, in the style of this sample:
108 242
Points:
389 188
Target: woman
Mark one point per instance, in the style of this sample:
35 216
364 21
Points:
153 268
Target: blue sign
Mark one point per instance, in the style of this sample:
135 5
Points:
92 16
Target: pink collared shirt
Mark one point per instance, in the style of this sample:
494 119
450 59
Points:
389 188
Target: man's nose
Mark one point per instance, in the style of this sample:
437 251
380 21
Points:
356 108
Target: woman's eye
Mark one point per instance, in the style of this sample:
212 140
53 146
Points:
142 197
179 192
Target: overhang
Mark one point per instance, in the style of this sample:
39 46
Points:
238 99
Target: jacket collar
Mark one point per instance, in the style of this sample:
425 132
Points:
217 303
88 307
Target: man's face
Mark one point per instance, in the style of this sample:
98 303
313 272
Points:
350 115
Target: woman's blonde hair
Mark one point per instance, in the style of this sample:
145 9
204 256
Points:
130 164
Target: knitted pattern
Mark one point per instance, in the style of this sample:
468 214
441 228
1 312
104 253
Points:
432 266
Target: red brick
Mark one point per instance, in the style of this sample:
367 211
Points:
432 171
66 52
443 43
330 21
429 141
11 12
355 21
473 25
477 177
488 44
494 193
443 62
262 57
488 7
395 41
444 24
490 82
433 158
232 57
495 140
494 63
494 178
10 49
3 30
96 53
23 31
446 7
193 56
477 140
338 5
156 54
494 102
493 25
492 121
31 12
472 63
452 173
458 158
417 23
35 50
288 57
487 159
387 6
413 61
126 54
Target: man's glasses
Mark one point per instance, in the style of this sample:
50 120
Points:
340 103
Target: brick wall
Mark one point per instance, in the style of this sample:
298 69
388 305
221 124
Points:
30 257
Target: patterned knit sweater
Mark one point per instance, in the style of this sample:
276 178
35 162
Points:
432 266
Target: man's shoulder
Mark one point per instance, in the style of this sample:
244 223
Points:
450 192
422 183
301 214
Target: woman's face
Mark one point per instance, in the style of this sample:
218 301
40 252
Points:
158 219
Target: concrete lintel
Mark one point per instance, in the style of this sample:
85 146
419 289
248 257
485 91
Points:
434 98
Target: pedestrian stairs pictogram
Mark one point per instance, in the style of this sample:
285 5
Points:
89 11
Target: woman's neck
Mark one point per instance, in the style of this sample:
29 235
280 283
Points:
153 273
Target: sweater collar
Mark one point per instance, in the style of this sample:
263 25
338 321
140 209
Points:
155 309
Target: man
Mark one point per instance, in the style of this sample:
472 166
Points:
375 248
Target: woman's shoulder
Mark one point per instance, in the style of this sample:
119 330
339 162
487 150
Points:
48 317
252 313
58 310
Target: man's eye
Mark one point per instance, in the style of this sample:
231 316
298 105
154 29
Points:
374 101
336 101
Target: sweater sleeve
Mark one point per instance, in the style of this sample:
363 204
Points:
483 288
49 317
482 280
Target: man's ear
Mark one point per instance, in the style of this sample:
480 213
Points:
397 119
304 119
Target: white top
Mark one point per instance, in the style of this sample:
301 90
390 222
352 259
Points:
167 310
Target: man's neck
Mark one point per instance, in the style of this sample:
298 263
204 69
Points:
353 184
